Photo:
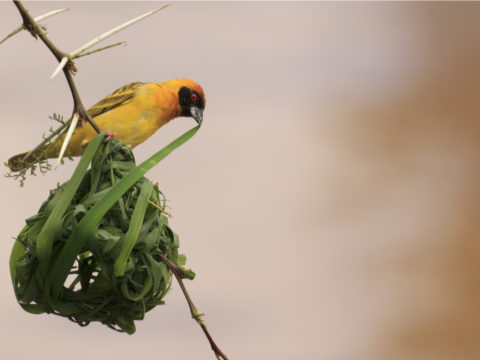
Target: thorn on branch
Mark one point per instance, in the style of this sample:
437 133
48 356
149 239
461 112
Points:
49 14
60 67
113 31
100 49
37 20
70 131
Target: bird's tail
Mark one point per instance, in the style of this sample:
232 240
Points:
17 163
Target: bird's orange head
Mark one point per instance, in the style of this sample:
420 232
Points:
191 99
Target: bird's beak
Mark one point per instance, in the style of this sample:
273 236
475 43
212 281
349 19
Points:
197 114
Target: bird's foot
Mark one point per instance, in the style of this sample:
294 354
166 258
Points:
110 135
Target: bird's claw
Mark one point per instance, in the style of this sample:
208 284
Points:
109 135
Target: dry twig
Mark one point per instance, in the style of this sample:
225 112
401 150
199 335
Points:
197 315
31 25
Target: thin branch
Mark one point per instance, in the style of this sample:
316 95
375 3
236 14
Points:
31 25
197 315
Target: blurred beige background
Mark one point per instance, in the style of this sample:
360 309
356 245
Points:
330 202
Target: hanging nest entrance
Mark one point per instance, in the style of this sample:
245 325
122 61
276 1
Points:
93 251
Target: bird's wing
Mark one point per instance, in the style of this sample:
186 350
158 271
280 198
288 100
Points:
119 97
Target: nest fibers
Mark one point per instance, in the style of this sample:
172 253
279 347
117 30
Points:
91 253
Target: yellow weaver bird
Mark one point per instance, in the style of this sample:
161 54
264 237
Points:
132 114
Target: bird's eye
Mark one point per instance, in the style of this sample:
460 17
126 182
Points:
193 97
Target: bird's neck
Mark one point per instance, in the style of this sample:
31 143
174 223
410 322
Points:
167 101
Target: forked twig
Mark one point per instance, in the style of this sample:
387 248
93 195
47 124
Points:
197 315
31 25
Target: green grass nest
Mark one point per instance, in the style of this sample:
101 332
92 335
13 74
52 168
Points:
92 252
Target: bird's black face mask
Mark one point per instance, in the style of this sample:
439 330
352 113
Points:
191 103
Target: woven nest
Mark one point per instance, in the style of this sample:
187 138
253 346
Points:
88 268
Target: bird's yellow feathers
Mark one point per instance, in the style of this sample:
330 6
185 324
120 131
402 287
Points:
132 113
